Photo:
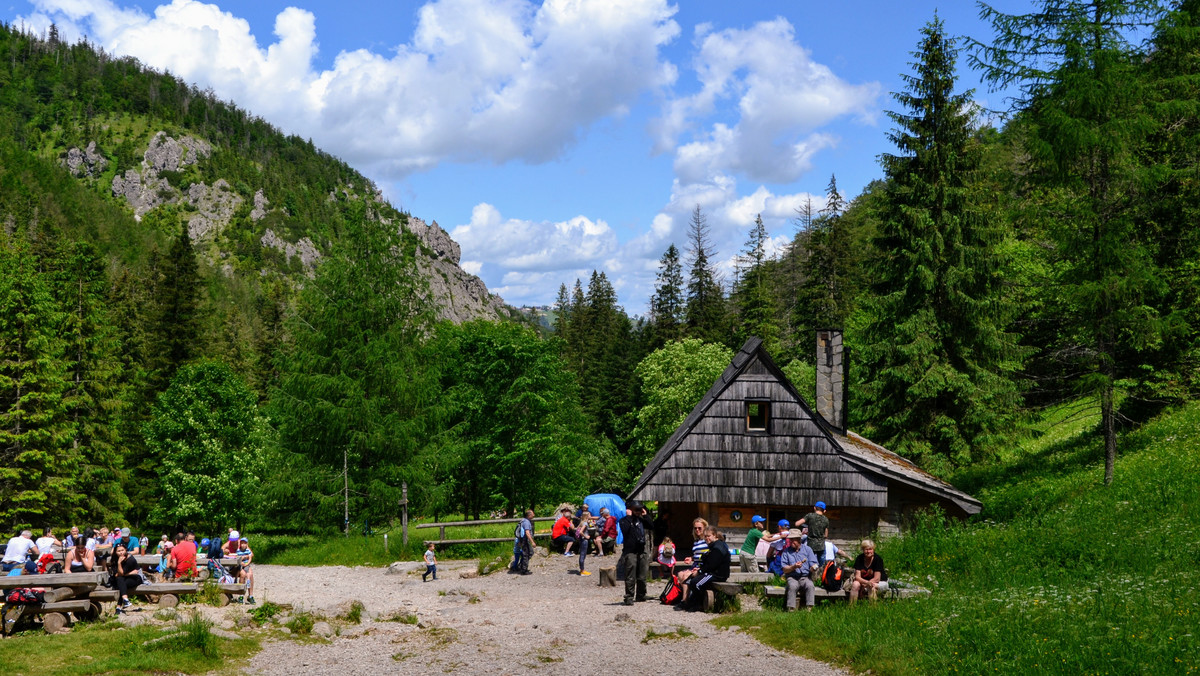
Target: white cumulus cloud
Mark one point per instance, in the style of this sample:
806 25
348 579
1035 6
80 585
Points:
480 80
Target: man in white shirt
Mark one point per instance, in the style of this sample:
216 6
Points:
18 550
48 543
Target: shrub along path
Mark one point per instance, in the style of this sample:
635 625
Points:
550 622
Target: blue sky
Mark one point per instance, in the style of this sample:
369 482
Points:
553 138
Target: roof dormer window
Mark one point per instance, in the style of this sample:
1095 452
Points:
757 416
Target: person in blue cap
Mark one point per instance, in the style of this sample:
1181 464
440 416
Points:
746 554
778 544
818 530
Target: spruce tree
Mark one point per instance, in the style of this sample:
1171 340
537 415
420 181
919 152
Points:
705 310
176 334
38 468
94 397
754 295
667 303
1087 109
825 297
937 356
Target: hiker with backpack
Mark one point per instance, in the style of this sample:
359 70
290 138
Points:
798 562
818 530
523 545
636 531
870 577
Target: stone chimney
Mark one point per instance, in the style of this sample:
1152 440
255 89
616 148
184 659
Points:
831 378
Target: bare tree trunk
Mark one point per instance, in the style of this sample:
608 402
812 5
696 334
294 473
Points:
346 491
1110 433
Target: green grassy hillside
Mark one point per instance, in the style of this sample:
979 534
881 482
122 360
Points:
1059 574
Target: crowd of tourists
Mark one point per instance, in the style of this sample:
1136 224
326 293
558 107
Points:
115 551
797 551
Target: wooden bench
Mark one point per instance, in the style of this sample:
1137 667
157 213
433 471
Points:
168 593
53 613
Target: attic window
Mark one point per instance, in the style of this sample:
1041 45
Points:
757 415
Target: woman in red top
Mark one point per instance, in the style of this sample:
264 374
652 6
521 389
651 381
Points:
561 533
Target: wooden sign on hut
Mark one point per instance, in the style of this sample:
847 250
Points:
752 445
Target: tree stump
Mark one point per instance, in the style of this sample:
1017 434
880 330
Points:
53 622
709 600
92 613
222 600
168 601
608 576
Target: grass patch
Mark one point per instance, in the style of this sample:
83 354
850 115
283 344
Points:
262 614
301 624
403 617
673 635
1059 574
109 647
354 615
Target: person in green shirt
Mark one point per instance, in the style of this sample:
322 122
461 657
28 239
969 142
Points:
748 559
818 530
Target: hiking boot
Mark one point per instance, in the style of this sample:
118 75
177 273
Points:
125 603
251 601
240 599
627 602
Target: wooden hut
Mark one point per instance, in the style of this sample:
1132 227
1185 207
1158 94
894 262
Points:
753 445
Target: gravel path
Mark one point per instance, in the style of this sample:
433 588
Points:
552 622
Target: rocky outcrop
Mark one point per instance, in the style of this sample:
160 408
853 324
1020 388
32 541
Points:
435 239
260 206
168 154
143 191
214 206
85 163
305 249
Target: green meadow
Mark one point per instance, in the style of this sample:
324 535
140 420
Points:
1058 574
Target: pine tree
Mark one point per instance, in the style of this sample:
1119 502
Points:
705 310
754 295
94 398
825 297
37 467
176 334
938 359
1087 109
667 303
355 385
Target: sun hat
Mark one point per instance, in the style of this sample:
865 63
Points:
795 534
234 535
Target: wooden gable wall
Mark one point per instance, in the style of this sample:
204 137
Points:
792 463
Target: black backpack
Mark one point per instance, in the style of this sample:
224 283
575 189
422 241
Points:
214 550
831 577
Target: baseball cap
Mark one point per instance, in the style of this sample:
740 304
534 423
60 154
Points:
820 505
784 523
234 535
124 532
757 519
204 542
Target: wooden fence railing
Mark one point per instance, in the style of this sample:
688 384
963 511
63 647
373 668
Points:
441 526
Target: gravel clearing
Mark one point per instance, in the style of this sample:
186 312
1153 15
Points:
551 622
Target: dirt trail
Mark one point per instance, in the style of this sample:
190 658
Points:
551 622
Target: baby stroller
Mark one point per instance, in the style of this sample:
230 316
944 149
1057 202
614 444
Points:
217 571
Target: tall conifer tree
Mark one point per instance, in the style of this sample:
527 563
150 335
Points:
938 359
1078 75
667 303
754 295
705 310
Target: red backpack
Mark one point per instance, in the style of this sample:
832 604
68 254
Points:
25 595
831 577
672 593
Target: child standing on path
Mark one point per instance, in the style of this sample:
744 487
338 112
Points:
430 564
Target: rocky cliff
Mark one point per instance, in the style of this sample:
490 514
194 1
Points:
210 209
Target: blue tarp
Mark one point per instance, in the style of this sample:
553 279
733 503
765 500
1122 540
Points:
614 503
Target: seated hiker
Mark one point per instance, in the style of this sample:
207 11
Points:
666 558
245 558
699 548
560 534
777 542
183 557
798 563
714 567
608 532
124 574
129 541
20 548
869 576
48 544
232 544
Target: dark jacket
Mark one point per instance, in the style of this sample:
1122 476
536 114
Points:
716 561
632 542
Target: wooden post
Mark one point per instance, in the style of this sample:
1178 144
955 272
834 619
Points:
404 513
385 547
608 576
53 622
